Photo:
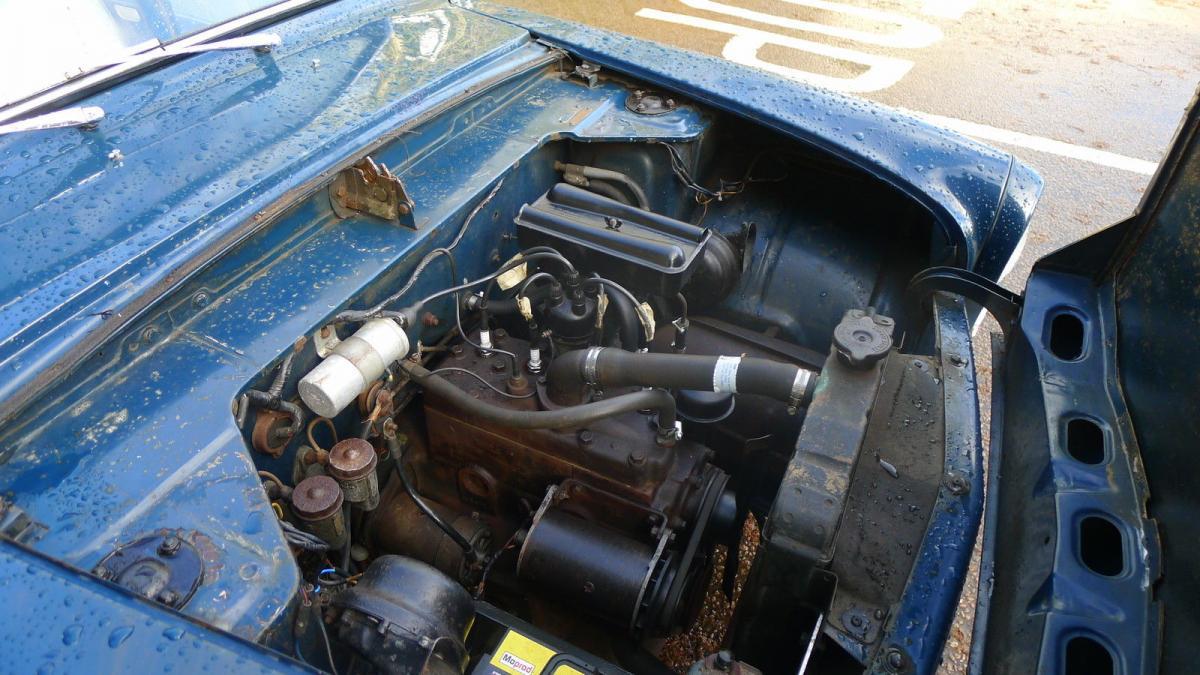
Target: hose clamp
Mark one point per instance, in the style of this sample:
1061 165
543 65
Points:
590 377
799 390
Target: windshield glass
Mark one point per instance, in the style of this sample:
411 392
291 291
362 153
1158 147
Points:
56 40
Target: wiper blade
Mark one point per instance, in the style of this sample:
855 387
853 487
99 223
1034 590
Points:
88 116
259 42
83 116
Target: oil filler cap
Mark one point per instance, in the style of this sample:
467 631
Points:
863 337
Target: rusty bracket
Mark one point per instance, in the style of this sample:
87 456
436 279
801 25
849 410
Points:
588 72
268 435
372 189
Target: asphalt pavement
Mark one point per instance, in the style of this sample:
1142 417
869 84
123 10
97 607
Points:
1089 93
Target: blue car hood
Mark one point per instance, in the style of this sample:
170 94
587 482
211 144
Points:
1088 549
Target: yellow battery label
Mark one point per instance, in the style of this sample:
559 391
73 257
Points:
518 655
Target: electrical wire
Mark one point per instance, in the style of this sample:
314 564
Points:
309 432
491 559
360 315
489 385
325 638
539 276
301 539
623 291
512 264
727 188
397 450
525 255
273 478
353 315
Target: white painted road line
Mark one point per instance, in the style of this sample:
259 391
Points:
912 33
882 71
743 46
1040 144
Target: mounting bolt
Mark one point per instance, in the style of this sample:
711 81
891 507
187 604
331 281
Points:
637 457
200 300
894 660
170 545
957 484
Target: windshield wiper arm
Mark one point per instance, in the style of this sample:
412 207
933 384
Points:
82 116
87 116
259 42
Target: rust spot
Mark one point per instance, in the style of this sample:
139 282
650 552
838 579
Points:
579 116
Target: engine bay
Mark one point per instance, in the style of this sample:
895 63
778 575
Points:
585 449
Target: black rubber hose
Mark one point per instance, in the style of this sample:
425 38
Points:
619 368
608 190
594 173
297 416
505 306
626 323
272 399
573 416
285 369
397 452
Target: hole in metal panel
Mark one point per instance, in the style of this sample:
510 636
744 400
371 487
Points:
1086 656
1085 441
1066 336
1101 546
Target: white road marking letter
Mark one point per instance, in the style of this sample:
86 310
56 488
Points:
912 33
743 46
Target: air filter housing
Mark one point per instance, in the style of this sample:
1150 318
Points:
638 248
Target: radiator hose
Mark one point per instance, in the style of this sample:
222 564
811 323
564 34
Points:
603 367
571 416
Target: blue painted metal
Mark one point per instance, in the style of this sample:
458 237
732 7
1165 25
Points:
70 621
919 626
206 146
165 279
1056 596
